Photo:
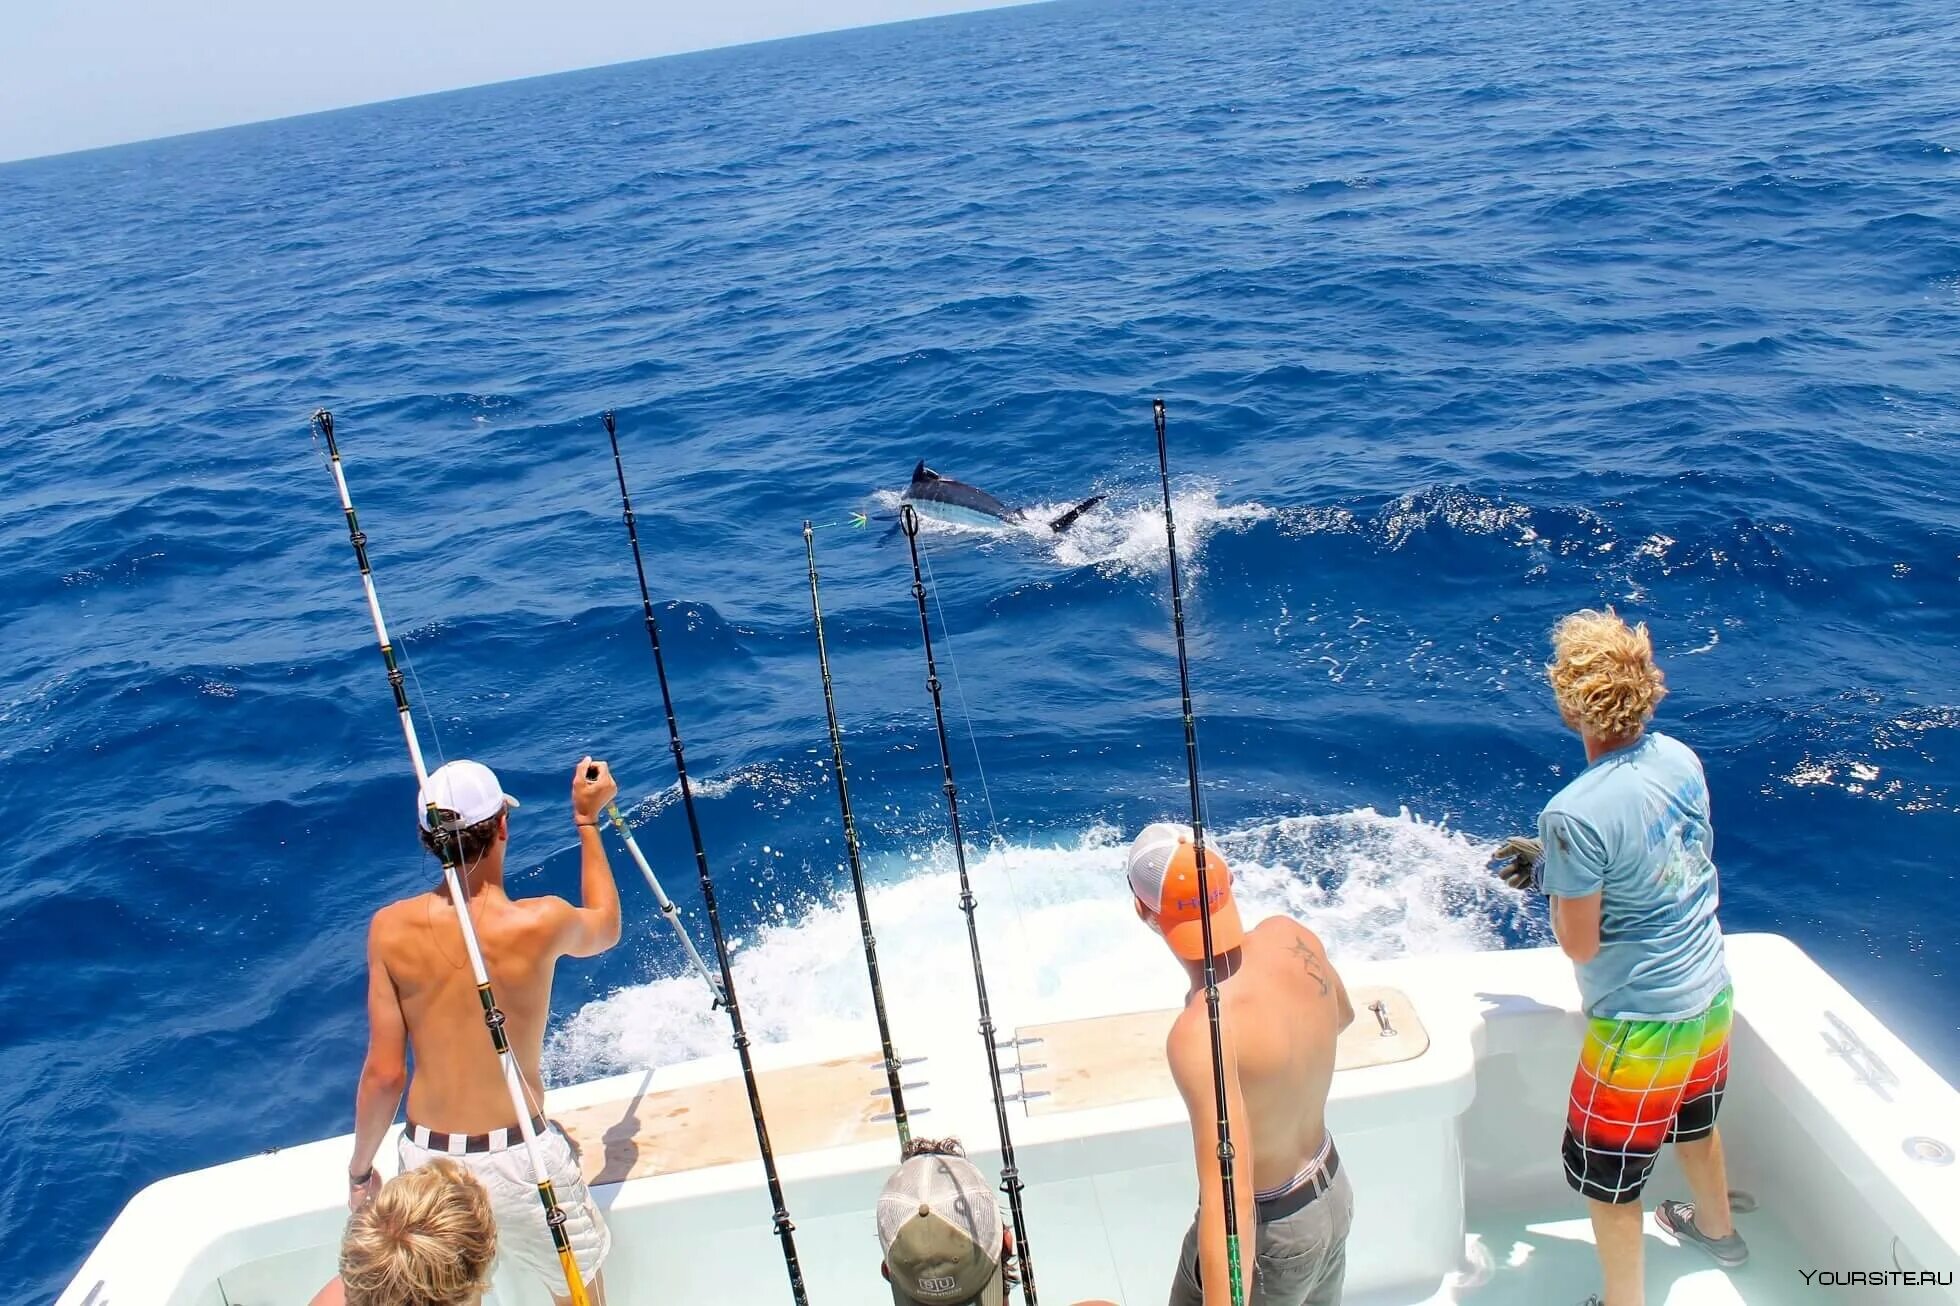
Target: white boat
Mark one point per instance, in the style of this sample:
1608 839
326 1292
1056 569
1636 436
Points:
1448 1107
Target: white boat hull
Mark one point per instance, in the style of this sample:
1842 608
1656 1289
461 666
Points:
1453 1154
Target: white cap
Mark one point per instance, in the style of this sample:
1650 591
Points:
469 789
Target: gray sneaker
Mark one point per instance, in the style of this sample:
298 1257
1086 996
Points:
1678 1218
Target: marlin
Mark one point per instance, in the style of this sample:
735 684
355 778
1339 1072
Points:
941 498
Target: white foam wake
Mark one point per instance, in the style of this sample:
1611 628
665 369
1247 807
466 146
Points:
1056 929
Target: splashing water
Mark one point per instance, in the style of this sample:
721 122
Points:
1120 537
1057 931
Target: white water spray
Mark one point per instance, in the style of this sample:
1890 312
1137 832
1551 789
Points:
1059 919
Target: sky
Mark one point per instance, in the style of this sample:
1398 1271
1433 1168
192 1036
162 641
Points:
75 74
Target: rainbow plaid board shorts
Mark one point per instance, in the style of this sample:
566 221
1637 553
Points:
1640 1084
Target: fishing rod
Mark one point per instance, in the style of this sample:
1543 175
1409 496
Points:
892 1064
1010 1175
1204 886
785 1230
660 898
450 850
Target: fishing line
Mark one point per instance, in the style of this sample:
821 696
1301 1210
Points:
1225 1156
1010 1174
959 688
996 845
785 1230
450 850
893 1065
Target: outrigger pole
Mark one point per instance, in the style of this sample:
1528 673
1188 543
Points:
785 1230
666 904
1204 887
450 848
1010 1174
893 1065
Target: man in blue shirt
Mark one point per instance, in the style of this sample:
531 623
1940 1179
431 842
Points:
1626 861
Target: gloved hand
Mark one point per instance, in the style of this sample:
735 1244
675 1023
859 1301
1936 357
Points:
1518 862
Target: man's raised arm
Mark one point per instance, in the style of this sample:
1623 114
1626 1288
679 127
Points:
592 926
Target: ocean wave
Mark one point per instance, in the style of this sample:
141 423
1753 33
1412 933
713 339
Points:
1427 393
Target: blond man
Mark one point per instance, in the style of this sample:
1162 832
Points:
1627 865
427 1239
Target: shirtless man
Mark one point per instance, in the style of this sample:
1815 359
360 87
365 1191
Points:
421 995
1281 1005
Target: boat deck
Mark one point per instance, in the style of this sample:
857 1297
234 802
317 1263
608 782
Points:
1512 1258
1517 1258
1540 1257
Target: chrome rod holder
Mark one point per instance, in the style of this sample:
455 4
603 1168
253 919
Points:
1866 1065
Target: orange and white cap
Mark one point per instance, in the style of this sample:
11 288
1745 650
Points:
1164 878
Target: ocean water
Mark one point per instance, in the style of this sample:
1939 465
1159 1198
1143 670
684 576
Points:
1466 316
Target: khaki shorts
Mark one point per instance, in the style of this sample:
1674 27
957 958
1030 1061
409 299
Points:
523 1239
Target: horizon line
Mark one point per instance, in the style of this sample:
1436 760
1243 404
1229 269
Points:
985 6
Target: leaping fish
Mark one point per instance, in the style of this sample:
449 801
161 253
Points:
940 498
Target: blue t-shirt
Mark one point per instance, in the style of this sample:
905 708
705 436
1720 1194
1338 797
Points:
1633 827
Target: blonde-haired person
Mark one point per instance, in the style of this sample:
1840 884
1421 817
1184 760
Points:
426 1239
1626 862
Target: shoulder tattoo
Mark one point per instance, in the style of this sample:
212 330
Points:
1311 960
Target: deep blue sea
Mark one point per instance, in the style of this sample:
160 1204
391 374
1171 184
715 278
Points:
1466 316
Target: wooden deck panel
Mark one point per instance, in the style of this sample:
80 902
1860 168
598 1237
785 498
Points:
1112 1060
1067 1066
809 1108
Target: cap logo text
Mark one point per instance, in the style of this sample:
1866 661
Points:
937 1284
1191 903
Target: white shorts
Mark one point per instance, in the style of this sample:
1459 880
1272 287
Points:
523 1239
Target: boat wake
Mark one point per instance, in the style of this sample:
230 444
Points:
1058 932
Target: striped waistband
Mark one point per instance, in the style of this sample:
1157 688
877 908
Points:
435 1140
1299 1192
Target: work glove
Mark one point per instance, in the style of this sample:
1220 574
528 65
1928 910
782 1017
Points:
1519 862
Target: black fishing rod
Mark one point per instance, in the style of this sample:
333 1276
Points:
785 1230
1204 886
450 851
893 1065
1010 1175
